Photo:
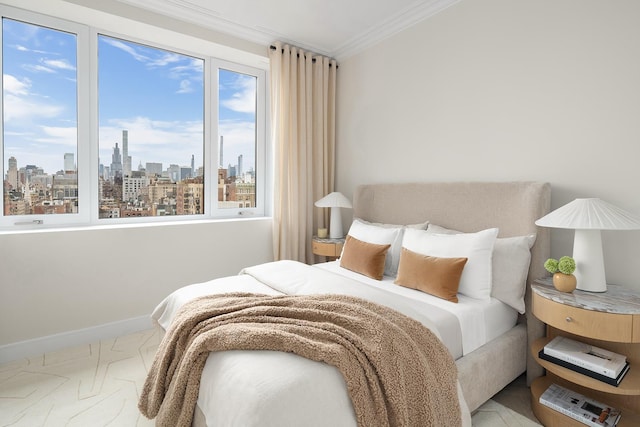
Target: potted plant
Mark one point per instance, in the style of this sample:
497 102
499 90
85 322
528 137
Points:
562 270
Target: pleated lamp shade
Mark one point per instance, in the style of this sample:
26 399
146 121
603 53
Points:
587 217
334 201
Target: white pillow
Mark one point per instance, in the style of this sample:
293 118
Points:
388 235
511 259
510 266
475 281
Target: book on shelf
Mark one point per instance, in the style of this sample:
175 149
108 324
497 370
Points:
587 356
580 408
584 371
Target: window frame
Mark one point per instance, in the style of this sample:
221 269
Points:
88 133
261 153
82 117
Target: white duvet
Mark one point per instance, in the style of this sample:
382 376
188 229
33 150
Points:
268 388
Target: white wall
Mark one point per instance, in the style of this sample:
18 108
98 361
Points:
502 90
62 282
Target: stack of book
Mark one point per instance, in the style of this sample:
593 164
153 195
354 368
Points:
595 362
580 408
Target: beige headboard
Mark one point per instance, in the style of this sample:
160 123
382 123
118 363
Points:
513 207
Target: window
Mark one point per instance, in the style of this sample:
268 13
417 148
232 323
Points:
237 145
151 138
40 129
101 128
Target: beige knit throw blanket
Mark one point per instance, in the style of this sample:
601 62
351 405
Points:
397 371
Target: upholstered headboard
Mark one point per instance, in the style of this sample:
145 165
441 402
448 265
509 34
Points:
513 207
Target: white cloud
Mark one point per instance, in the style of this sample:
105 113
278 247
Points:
196 65
166 59
126 48
26 49
17 108
244 99
186 72
61 64
19 104
36 68
185 87
15 86
154 141
50 66
60 135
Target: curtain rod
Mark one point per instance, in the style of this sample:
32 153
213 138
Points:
272 47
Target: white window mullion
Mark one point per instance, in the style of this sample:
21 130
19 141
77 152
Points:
262 149
92 127
86 168
211 134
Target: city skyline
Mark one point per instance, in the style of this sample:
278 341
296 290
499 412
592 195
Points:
71 157
39 75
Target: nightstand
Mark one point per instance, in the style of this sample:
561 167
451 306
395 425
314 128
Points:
330 248
609 320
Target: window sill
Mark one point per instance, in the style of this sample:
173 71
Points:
174 223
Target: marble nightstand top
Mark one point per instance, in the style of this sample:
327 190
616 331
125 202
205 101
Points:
617 299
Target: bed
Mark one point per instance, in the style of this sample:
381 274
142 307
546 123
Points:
485 333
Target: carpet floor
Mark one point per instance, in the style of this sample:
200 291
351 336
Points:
98 385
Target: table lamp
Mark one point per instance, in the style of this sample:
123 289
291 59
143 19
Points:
334 201
587 217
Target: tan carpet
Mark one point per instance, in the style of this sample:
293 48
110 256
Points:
99 384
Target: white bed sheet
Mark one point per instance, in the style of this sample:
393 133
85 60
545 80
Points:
480 320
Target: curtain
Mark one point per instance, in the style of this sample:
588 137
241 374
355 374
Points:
303 97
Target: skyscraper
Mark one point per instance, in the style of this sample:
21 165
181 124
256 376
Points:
116 162
12 172
153 168
240 170
69 163
126 158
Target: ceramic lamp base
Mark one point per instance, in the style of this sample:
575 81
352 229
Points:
335 224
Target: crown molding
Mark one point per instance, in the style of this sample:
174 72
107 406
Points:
190 12
208 18
411 15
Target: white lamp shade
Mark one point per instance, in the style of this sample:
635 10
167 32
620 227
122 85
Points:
590 214
335 201
587 217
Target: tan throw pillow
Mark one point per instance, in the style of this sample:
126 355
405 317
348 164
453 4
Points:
434 275
364 258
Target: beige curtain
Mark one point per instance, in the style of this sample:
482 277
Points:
303 88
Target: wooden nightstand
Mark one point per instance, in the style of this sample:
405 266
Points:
331 248
609 320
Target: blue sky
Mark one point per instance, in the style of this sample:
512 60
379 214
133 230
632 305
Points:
155 94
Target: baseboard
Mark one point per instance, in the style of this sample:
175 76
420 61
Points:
36 346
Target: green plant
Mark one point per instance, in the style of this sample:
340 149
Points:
565 265
551 265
